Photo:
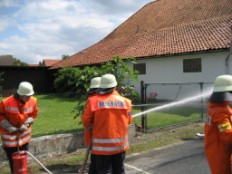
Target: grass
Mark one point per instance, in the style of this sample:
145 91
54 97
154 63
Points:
56 115
170 116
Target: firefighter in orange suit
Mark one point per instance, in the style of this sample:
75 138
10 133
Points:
218 126
17 113
109 114
94 85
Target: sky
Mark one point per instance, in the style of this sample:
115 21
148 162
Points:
33 30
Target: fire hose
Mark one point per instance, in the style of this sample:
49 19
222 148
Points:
39 163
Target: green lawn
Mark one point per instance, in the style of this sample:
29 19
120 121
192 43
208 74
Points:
167 117
56 115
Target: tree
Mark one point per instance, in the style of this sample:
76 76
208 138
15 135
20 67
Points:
18 62
65 57
41 63
74 81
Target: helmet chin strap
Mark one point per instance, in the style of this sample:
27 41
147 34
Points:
22 99
105 90
221 97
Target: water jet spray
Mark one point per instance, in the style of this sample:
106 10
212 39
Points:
186 100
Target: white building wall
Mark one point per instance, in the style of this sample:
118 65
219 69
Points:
170 70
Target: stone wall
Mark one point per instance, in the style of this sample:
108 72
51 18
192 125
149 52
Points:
52 145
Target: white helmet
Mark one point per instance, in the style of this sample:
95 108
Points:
108 81
25 89
223 83
95 82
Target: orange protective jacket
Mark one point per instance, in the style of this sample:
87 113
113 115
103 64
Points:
17 113
218 137
109 115
88 131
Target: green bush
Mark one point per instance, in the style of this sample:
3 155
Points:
73 81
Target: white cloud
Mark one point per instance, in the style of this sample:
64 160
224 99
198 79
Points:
3 24
7 3
52 28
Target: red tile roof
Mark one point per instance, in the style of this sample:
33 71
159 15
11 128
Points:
49 62
163 27
33 65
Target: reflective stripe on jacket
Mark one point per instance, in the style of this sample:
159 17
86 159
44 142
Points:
110 116
17 113
218 137
13 140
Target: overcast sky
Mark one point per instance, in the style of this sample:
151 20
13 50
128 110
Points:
33 30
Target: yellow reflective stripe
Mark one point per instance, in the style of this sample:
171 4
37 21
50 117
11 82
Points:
109 149
107 141
224 126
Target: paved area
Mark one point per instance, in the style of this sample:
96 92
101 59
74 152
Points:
186 157
182 158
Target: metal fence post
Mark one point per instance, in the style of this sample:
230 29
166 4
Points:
143 108
202 102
